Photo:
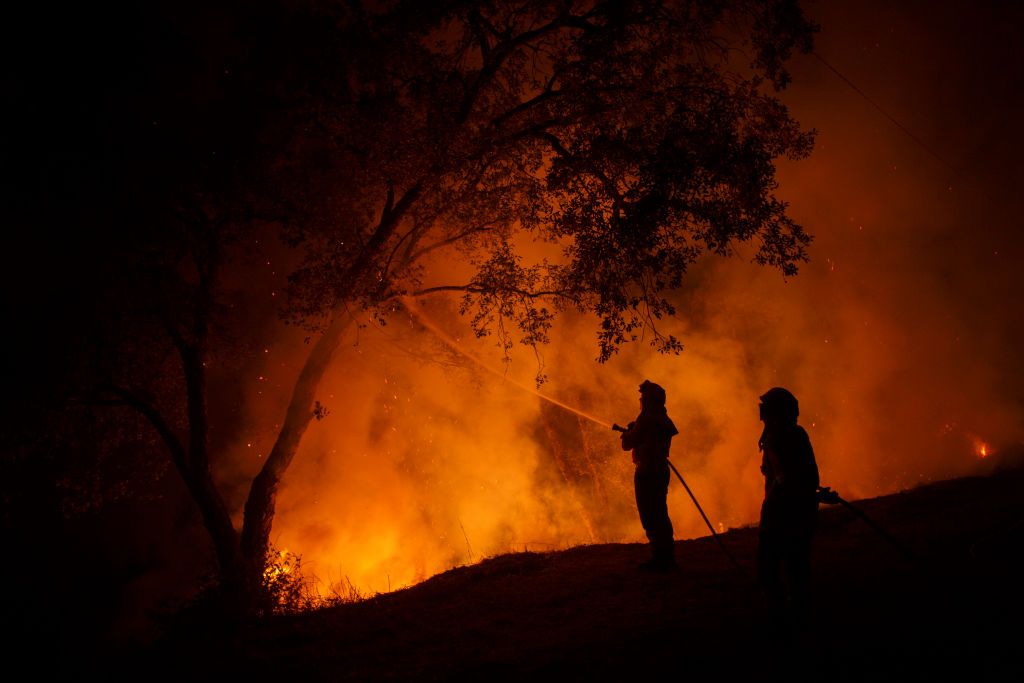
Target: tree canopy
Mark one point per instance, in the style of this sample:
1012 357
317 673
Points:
635 136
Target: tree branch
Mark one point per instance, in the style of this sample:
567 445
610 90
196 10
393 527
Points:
548 93
450 240
609 185
477 289
389 204
156 419
502 51
394 250
475 22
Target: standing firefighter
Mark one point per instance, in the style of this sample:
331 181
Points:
649 437
790 509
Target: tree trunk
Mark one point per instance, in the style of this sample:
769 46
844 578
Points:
259 507
199 478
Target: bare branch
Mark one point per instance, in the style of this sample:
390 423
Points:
502 51
486 227
548 93
156 419
394 250
477 289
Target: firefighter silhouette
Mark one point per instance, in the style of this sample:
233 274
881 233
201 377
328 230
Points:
650 437
790 508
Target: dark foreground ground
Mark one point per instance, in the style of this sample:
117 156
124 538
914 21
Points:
587 614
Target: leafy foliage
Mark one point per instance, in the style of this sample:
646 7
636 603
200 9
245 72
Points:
286 587
627 135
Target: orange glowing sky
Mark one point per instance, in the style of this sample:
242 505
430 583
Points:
899 338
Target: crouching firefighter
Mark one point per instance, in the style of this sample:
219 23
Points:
790 509
649 437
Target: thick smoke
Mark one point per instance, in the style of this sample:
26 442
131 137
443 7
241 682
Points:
900 338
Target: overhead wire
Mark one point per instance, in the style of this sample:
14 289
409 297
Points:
892 119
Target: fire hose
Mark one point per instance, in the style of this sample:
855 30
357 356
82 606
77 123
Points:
825 495
828 496
711 528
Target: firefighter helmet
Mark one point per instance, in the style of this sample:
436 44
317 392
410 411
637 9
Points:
652 392
779 403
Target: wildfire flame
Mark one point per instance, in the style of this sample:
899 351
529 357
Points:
434 457
278 566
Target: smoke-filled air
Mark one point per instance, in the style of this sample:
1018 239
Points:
436 452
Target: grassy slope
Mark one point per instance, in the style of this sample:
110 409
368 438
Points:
586 613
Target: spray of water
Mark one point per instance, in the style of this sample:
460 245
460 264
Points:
417 312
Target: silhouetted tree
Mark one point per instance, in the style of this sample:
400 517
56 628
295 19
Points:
631 135
379 137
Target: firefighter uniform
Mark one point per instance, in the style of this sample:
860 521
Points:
790 508
649 437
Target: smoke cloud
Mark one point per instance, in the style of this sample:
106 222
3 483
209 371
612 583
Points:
900 339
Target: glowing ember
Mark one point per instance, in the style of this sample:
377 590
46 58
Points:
981 448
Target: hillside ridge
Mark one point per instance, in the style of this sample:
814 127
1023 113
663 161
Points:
586 613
